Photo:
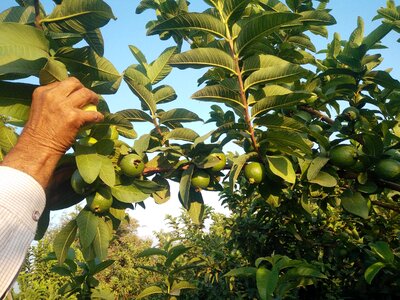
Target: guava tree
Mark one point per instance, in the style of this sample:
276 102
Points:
317 179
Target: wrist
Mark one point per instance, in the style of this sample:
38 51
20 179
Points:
32 156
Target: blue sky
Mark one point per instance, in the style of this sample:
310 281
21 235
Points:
129 28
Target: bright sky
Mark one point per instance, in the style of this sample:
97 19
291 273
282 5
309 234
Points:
129 28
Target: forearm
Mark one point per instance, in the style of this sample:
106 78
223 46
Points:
22 201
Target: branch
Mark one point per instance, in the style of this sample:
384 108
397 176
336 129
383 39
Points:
318 114
390 206
37 14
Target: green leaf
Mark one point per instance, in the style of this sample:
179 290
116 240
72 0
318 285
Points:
8 137
63 240
160 68
163 195
78 16
317 17
315 167
376 36
174 253
204 57
261 26
372 271
277 74
164 94
135 81
282 167
140 57
242 272
23 49
324 179
18 14
267 281
151 290
135 115
263 61
88 162
128 193
102 239
95 41
179 115
233 9
237 166
196 212
355 203
107 172
53 71
285 140
185 186
181 285
383 250
382 78
219 93
87 224
102 266
192 21
97 69
183 134
274 102
15 99
152 252
276 122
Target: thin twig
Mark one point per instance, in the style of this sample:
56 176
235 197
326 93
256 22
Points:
390 206
318 114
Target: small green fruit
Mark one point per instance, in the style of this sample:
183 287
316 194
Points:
89 107
100 202
78 184
388 169
351 113
343 156
221 161
132 165
254 172
200 179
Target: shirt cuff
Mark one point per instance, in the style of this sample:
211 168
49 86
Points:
22 196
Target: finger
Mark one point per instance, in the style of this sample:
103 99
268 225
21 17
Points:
91 117
82 97
65 87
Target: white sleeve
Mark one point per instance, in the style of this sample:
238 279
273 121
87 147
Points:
22 200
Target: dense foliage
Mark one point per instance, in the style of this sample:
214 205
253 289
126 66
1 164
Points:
314 188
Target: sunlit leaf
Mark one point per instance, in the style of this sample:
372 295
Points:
18 14
355 203
78 16
275 102
183 134
160 68
102 239
197 21
282 167
204 57
63 240
179 115
87 224
261 26
277 74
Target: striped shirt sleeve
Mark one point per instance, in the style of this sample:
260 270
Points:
22 200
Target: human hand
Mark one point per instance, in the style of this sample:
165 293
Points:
56 114
55 118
